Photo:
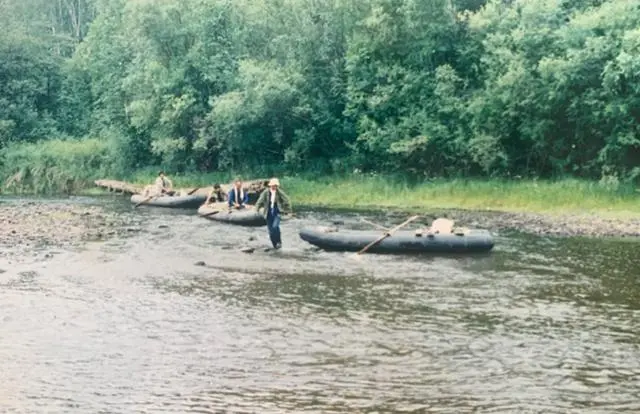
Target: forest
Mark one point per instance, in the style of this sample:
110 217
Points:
420 88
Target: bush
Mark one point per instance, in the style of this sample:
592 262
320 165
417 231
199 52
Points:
55 166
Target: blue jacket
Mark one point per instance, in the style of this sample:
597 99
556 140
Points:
232 198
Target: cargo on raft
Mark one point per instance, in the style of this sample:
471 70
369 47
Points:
247 216
169 201
400 242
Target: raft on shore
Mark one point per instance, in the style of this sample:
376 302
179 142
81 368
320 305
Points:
248 216
252 187
408 242
174 201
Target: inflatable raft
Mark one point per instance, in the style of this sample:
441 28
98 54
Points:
175 201
244 217
331 239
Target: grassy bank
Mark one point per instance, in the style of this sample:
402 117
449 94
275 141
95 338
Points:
70 166
559 197
56 166
365 192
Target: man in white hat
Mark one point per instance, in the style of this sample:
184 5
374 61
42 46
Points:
273 200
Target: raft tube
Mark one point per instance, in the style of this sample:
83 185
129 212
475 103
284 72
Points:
247 216
410 242
185 201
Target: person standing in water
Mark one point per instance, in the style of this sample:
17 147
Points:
237 197
274 201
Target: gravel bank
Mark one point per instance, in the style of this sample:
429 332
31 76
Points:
38 226
543 224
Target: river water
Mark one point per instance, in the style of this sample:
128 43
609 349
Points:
135 326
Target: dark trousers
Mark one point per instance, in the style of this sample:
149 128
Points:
273 226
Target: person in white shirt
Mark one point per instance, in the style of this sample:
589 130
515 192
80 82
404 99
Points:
237 197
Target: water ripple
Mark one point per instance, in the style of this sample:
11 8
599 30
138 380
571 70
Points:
540 325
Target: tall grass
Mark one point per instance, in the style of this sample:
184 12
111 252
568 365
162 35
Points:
379 192
562 196
70 166
55 166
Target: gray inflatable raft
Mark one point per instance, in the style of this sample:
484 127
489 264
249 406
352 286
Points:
185 201
473 241
220 212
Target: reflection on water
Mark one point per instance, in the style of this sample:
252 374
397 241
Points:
539 325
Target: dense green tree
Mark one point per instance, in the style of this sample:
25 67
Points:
419 87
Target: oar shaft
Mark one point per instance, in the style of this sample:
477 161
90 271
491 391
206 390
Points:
374 224
143 201
387 234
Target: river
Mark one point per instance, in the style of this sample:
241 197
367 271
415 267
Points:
136 326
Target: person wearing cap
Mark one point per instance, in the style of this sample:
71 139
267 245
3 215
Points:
238 198
273 201
216 193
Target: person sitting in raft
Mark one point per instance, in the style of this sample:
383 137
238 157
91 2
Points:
238 198
164 185
273 200
216 195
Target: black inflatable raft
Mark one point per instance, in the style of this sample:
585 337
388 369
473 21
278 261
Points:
472 241
186 201
220 212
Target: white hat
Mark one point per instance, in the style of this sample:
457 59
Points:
274 181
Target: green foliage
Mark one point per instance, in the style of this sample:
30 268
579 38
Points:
552 98
29 83
257 122
55 166
438 88
375 191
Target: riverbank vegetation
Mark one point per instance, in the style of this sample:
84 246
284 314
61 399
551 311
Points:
567 196
368 192
436 92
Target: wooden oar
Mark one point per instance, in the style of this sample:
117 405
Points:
193 191
144 201
374 224
211 214
215 212
385 235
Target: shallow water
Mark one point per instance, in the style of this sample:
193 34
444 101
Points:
127 326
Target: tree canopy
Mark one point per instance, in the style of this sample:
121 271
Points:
426 88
